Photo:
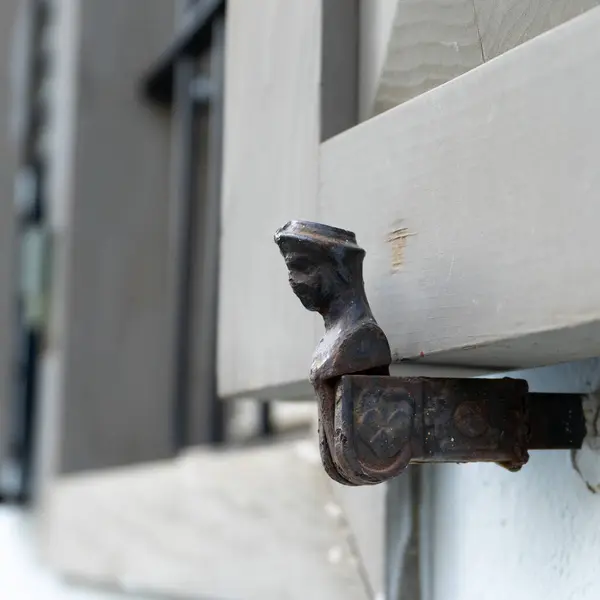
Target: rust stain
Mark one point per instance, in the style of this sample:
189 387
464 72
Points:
397 240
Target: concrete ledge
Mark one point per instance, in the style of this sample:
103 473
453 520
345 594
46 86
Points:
240 524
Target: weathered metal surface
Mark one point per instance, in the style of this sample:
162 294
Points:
325 272
556 421
394 421
371 425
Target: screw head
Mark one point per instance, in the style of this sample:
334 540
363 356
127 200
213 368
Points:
470 420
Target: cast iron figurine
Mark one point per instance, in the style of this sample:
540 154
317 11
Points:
325 272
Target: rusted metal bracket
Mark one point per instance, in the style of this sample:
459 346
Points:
372 425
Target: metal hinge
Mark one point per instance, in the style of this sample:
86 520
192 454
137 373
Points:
372 425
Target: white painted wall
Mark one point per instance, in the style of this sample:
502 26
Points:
530 535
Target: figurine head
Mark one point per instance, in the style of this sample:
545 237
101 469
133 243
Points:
322 261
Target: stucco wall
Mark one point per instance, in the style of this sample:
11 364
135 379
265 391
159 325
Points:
526 536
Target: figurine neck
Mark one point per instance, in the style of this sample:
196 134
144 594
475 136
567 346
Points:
345 309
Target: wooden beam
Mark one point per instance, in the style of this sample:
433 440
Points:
375 29
434 41
299 387
8 160
276 115
504 24
478 206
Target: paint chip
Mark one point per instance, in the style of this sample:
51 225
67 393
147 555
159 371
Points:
335 554
333 510
397 239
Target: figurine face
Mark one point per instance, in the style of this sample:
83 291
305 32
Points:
307 277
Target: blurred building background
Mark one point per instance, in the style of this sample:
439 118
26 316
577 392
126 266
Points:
157 432
111 167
